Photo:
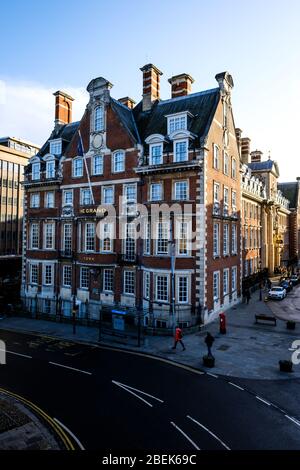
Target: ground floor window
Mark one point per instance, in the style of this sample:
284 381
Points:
108 280
161 288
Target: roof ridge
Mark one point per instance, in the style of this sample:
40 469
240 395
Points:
191 95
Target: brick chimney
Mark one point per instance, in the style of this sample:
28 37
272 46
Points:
238 134
63 107
151 77
181 85
129 102
245 150
256 156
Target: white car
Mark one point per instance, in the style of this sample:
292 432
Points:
277 292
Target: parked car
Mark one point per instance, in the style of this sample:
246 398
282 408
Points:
294 279
287 285
277 292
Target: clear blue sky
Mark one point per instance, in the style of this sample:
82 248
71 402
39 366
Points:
64 44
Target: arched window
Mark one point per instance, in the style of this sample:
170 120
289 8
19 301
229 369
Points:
99 119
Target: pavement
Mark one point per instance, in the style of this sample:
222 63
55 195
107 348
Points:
21 429
246 351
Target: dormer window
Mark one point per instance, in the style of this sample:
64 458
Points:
36 171
50 169
177 123
156 154
55 147
181 150
99 119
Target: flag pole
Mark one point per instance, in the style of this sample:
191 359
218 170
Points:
86 167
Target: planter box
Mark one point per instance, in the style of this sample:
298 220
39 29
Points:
285 366
208 361
291 325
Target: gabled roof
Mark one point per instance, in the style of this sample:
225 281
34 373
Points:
126 117
201 105
291 192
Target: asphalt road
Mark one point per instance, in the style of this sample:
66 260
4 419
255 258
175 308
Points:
109 399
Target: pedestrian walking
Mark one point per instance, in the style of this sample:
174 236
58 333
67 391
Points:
178 338
248 295
209 339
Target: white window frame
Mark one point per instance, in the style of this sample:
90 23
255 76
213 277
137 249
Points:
216 191
179 197
64 239
225 239
147 285
90 236
35 171
216 239
104 279
45 274
66 191
225 281
186 278
97 172
51 235
118 152
161 227
226 164
180 141
55 147
147 239
152 157
233 168
83 199
74 162
156 185
177 122
233 279
87 278
226 192
106 235
233 199
36 266
125 188
216 286
50 169
156 277
33 203
99 120
32 226
234 239
103 193
186 237
46 201
216 157
65 276
129 273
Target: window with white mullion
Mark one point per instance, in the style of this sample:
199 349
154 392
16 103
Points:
77 167
162 242
86 196
129 282
183 237
106 237
98 165
67 238
130 242
99 118
216 240
89 237
35 200
147 240
156 154
49 236
48 274
56 147
180 151
181 190
162 288
233 279
34 274
68 197
216 157
147 285
49 199
34 236
225 239
226 164
108 280
234 238
182 289
177 123
67 275
107 195
50 169
84 277
225 281
156 191
118 162
216 285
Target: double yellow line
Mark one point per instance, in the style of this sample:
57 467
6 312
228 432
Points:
53 424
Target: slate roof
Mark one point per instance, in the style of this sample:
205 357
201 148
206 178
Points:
261 166
290 191
65 132
127 118
201 105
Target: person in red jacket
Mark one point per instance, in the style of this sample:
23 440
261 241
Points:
178 338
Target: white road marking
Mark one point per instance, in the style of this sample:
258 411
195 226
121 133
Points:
293 419
213 375
236 386
128 389
185 435
210 432
71 368
16 354
264 401
70 432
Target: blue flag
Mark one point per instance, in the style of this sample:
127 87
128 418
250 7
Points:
80 147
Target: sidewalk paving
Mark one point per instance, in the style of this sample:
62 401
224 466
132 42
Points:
20 429
248 350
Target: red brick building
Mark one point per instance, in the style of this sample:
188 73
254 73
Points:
181 153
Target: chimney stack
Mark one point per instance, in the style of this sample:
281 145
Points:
245 150
63 108
181 85
129 102
151 77
256 156
238 134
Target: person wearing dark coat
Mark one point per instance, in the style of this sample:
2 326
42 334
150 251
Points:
209 339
